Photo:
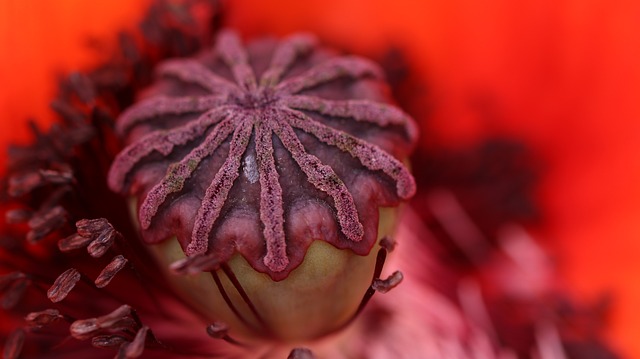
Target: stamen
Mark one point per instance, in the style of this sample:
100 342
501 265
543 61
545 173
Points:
44 223
83 328
110 271
74 241
236 283
220 330
389 243
380 259
228 300
24 183
19 215
99 246
217 330
376 284
116 320
82 85
67 112
98 233
55 192
7 279
385 285
108 341
63 285
59 177
13 287
44 318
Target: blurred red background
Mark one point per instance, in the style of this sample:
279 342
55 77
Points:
562 75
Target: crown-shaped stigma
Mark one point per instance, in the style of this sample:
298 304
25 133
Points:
261 150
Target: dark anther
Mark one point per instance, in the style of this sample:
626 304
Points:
119 319
388 243
217 330
19 215
82 86
74 241
99 233
7 279
84 328
43 223
92 227
110 271
63 285
99 246
43 318
24 183
385 285
68 113
13 287
108 341
63 176
220 330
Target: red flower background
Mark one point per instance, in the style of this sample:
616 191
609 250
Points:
562 75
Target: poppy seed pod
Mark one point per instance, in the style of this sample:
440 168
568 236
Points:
268 173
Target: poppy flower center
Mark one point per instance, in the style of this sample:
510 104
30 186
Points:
258 99
265 176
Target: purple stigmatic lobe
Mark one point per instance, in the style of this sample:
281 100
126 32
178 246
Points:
260 150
